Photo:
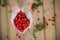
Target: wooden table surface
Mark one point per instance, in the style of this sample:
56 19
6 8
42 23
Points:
52 32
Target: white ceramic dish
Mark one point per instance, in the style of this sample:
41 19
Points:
28 14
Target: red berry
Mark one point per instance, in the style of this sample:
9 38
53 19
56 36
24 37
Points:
54 14
6 36
17 34
53 24
38 19
53 20
44 18
19 15
19 37
21 21
17 25
10 11
47 24
3 5
38 4
53 17
49 19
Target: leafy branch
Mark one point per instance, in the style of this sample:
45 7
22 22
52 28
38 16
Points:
38 27
4 2
36 5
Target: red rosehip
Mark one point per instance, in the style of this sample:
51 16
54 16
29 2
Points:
3 5
21 21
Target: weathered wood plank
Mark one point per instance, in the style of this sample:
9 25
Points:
11 31
57 11
0 25
4 23
49 13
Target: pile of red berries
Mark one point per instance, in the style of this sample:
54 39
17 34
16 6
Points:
21 22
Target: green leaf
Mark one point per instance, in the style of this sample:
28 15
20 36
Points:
0 1
40 29
40 2
43 25
34 5
5 2
36 25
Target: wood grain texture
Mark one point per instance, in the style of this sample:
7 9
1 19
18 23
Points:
0 26
4 23
57 11
52 32
49 12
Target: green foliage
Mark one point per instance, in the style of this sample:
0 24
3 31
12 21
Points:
0 2
36 25
43 25
40 29
40 2
5 2
34 5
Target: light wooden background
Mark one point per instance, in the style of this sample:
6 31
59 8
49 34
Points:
52 32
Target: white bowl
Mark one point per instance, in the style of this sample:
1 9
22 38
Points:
28 14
